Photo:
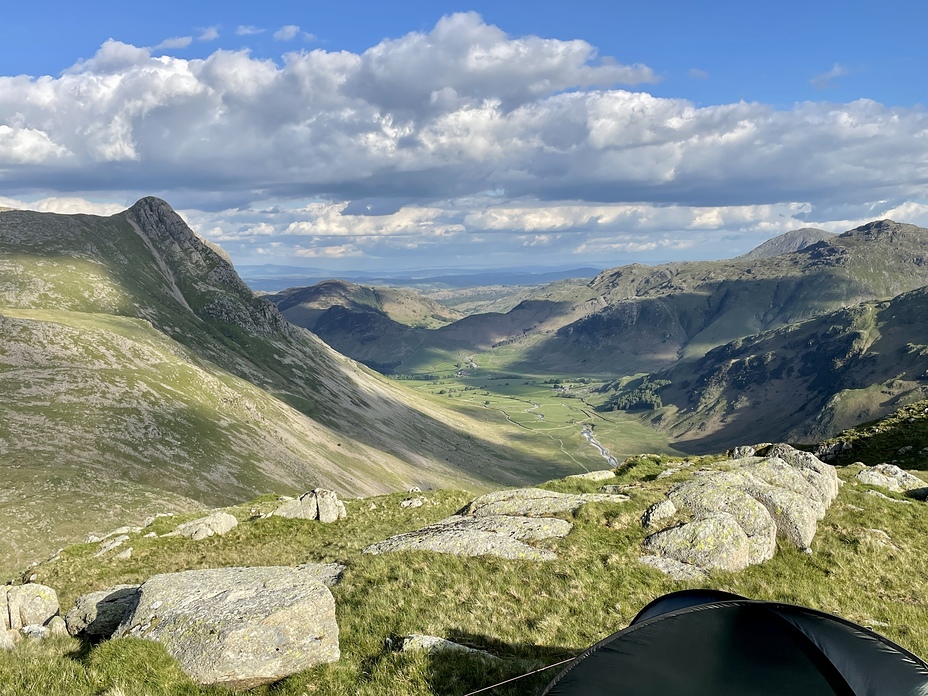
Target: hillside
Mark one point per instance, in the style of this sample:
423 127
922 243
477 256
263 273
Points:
304 306
805 382
138 368
643 318
866 564
788 242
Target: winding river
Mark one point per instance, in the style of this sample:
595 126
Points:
587 432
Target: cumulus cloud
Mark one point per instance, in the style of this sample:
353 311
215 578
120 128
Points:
176 42
449 136
65 205
287 33
248 30
827 79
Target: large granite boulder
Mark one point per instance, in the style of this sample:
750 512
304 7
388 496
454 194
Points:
503 536
239 627
218 523
97 615
784 494
890 477
714 542
535 502
498 524
26 605
318 504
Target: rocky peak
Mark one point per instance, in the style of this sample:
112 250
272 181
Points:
206 277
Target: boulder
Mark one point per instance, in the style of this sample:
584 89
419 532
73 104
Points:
676 570
891 477
318 504
723 492
412 503
108 545
27 604
303 508
217 523
603 475
97 615
418 642
822 476
239 627
665 509
56 626
534 502
8 639
713 542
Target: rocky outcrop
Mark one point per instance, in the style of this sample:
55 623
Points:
603 475
890 477
737 513
216 524
318 504
498 524
535 502
95 616
239 627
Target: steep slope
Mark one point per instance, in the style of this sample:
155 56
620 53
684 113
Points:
136 366
786 243
804 382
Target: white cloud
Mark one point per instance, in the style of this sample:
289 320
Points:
424 125
247 30
176 42
209 34
66 205
827 79
287 33
698 74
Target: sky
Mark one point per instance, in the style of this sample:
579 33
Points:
425 133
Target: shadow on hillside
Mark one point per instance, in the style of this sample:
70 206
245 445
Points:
453 673
649 333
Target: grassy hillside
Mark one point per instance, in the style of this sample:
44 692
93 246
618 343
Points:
138 369
867 564
805 382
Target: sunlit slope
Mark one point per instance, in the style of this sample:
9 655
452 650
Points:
133 356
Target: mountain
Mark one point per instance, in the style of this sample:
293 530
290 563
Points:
786 243
138 370
804 382
643 318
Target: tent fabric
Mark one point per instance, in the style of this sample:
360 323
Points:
702 642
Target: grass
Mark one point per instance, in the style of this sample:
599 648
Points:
528 614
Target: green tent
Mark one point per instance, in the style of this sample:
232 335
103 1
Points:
708 643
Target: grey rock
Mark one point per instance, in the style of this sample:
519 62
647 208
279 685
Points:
674 569
611 488
108 545
603 475
123 555
418 642
743 451
534 502
414 489
97 615
34 631
822 476
713 542
412 503
891 477
218 523
658 512
238 627
28 604
303 508
881 496
722 492
667 473
56 626
8 639
330 507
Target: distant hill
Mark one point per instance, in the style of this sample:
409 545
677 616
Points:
139 372
786 243
805 382
643 318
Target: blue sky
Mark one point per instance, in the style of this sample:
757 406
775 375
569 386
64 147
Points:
417 134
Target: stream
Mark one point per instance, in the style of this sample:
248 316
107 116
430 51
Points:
587 432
